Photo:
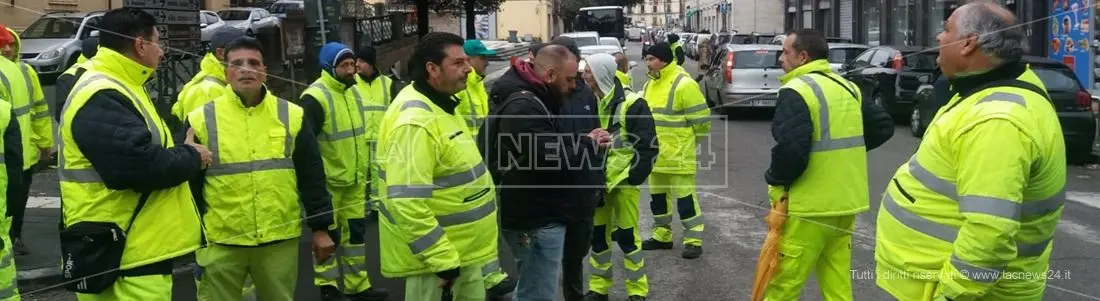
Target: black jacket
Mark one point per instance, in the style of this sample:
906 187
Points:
62 87
541 186
793 130
13 158
112 135
308 169
582 115
643 134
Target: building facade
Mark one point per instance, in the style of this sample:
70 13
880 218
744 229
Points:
903 22
739 15
658 13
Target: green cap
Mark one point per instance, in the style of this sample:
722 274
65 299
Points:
477 48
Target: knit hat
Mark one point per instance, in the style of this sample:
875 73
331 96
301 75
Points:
332 54
673 38
224 35
367 54
603 69
661 51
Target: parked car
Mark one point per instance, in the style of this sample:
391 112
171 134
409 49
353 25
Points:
743 77
210 23
843 53
1071 100
612 41
584 38
52 43
891 75
250 19
279 8
694 47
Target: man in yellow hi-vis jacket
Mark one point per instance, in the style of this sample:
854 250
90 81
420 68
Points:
374 91
822 130
337 120
681 116
439 218
36 131
209 83
977 206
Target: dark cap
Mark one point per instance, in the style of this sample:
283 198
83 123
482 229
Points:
568 43
222 36
367 54
661 51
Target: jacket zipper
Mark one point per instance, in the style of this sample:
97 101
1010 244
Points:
903 192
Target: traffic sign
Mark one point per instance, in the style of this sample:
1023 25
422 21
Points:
165 16
163 4
177 21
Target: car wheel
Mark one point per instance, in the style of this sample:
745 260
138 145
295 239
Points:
915 126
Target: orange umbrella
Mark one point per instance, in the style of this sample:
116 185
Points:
768 262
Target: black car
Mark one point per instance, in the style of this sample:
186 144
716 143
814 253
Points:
1071 100
891 75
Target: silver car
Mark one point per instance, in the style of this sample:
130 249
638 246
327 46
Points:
743 77
52 43
251 20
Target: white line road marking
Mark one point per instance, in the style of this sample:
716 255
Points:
44 202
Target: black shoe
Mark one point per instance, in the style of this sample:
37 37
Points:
653 244
692 252
331 293
594 296
371 294
19 248
635 298
503 288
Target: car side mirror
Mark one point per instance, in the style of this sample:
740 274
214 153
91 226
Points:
94 33
633 64
624 49
255 18
203 25
845 67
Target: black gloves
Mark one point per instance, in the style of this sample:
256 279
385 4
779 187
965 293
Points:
448 275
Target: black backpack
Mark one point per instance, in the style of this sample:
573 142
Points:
487 141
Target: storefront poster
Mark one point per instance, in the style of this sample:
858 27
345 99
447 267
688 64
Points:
1071 36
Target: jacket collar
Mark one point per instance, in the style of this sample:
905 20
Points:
123 68
667 72
813 66
266 101
330 82
368 79
443 100
613 99
212 67
967 84
473 77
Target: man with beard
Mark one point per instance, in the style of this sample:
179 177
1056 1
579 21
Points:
337 120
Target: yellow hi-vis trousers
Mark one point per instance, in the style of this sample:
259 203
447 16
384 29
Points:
617 221
248 290
144 288
664 188
9 289
821 245
225 269
467 287
493 274
351 251
375 183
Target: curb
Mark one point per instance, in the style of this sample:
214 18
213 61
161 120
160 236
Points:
52 275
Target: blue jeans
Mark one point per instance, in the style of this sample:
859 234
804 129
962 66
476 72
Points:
538 255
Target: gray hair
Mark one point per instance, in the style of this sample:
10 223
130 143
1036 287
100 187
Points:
998 37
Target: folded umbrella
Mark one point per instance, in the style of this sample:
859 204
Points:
768 262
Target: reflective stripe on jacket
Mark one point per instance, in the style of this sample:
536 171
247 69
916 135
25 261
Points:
837 147
168 226
204 87
342 139
680 113
250 188
439 209
473 102
20 91
980 199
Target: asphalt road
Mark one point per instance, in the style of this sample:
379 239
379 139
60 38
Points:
734 201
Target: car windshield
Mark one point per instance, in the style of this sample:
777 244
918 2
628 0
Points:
919 60
52 28
234 15
1056 79
585 41
756 59
843 55
739 39
281 8
764 39
609 42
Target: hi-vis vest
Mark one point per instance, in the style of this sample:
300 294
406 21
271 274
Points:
168 226
625 79
439 213
949 217
250 187
204 87
18 92
677 46
837 147
473 103
373 98
343 139
680 113
5 119
621 155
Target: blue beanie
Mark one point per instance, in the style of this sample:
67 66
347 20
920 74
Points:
331 55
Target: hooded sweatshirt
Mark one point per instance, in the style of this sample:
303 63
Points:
547 195
603 69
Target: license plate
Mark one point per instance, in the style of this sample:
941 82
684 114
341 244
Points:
763 102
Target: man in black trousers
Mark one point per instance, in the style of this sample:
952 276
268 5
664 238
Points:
583 113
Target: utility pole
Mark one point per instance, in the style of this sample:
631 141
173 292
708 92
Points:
321 20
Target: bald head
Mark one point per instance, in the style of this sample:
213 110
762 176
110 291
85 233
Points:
993 27
552 57
622 62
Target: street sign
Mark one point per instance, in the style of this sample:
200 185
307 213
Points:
174 17
177 21
163 4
